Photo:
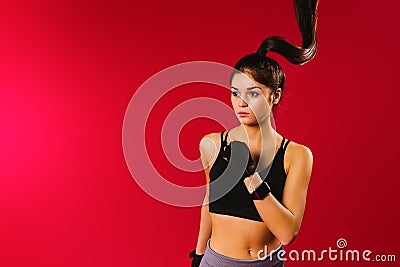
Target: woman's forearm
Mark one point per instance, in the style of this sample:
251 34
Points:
284 219
278 219
205 230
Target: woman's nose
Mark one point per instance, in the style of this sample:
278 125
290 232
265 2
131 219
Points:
242 102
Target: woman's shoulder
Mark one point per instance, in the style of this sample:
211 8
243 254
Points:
209 145
210 138
297 148
297 153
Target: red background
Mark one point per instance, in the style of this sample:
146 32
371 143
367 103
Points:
68 70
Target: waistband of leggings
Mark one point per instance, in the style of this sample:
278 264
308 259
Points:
226 259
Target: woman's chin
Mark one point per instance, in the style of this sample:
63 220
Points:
247 121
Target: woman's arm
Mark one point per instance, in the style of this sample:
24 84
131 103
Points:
284 220
205 227
207 151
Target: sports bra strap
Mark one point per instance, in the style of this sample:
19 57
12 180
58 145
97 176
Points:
222 138
283 141
226 136
287 143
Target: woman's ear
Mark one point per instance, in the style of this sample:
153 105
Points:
276 96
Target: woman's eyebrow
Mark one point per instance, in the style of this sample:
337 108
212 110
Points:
249 88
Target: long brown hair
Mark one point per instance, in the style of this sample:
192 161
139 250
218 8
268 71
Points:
267 71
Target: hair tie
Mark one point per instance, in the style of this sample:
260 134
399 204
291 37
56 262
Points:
262 51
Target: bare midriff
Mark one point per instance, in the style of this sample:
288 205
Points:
241 238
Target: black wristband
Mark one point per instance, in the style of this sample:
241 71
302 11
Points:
196 258
261 191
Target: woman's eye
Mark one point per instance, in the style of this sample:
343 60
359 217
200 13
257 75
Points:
235 93
254 94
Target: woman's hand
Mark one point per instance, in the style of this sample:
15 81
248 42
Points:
196 258
252 182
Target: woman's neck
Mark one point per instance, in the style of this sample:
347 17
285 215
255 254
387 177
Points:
259 132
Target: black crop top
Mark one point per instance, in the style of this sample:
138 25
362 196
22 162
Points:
238 202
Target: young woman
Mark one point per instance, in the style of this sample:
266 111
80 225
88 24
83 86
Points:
263 211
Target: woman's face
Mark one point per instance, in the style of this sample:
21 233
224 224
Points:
251 101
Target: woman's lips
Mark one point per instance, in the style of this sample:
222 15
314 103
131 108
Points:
243 114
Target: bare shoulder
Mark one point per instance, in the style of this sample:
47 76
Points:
209 145
298 150
299 157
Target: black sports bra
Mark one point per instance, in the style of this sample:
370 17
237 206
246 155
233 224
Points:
238 202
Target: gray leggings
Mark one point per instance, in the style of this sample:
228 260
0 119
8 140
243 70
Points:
212 258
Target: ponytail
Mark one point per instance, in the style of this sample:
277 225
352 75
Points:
306 17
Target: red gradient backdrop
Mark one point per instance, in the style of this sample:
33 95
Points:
68 70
